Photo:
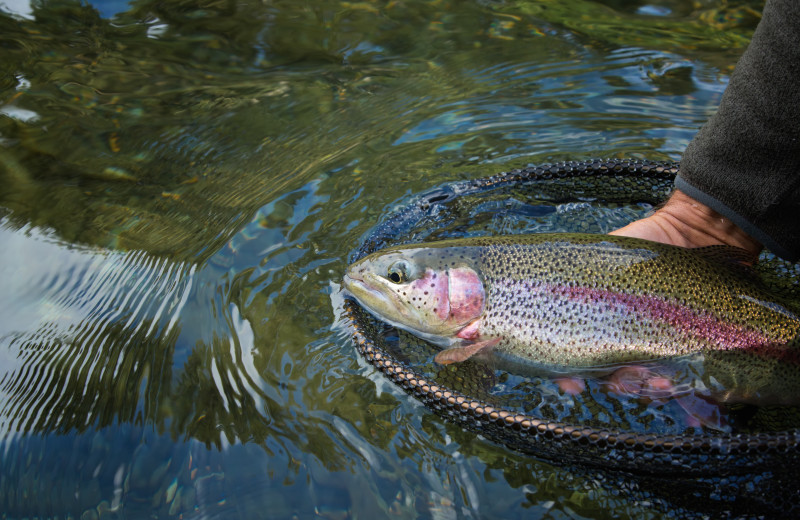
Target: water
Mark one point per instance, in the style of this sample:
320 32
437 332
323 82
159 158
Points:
182 185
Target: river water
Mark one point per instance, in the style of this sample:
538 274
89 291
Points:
183 183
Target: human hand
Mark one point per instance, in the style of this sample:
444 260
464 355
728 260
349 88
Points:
683 221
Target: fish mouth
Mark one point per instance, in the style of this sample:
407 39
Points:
366 294
355 285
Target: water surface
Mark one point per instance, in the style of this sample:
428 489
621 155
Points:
182 185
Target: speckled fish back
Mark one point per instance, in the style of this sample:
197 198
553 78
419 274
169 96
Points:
587 300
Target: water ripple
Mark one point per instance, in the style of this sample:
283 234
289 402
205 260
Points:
88 329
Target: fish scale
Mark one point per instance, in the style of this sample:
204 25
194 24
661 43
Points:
686 302
573 301
563 332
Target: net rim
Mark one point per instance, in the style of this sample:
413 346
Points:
537 435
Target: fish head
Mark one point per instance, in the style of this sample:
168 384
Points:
431 292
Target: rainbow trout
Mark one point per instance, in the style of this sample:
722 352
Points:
576 301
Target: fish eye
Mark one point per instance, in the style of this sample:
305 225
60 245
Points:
399 272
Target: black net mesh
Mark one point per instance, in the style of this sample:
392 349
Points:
746 457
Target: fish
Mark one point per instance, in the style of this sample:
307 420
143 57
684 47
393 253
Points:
567 302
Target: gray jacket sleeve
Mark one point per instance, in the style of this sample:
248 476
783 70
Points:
745 162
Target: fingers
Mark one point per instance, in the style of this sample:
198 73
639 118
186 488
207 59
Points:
570 385
640 381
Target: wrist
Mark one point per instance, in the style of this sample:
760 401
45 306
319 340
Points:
697 225
685 222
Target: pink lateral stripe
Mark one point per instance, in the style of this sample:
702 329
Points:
701 325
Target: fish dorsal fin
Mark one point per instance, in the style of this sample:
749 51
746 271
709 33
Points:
734 257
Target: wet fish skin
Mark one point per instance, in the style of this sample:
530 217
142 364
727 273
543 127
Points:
572 301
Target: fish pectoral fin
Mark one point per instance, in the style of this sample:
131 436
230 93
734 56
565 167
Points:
464 352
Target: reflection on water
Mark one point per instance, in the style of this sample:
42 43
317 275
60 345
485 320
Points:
183 183
91 333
